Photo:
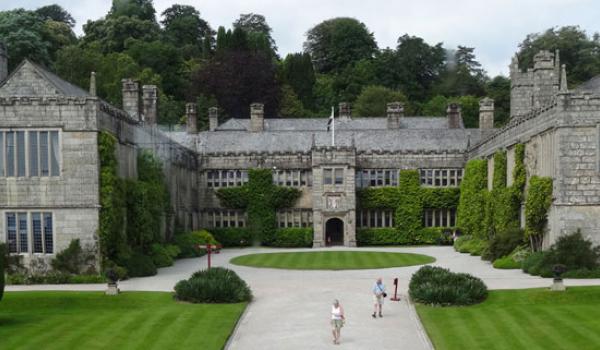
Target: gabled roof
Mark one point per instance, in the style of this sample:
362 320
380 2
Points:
30 79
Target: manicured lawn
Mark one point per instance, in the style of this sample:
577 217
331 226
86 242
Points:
333 260
132 320
519 319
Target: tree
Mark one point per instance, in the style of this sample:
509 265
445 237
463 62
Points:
336 43
469 106
373 100
290 105
112 33
142 9
57 35
580 52
22 32
237 79
463 75
499 90
297 72
253 24
184 27
55 13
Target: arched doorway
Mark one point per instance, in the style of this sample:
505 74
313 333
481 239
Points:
334 232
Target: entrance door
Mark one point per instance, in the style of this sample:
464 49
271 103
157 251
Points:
334 232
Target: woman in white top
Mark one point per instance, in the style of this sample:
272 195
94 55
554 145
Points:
337 320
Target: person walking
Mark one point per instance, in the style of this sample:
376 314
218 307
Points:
378 296
337 320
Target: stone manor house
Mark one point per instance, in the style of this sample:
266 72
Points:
49 162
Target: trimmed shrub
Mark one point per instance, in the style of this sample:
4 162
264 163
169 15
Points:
233 236
188 243
582 273
471 245
536 264
85 279
393 236
215 285
72 259
504 243
293 237
438 286
160 256
140 265
507 263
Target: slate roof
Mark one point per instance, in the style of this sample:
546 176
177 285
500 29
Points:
31 79
592 85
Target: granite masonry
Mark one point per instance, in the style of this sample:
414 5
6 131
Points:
49 164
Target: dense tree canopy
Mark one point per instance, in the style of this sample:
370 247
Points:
184 28
141 9
373 100
56 13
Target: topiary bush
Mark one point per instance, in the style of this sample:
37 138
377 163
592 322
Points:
507 263
160 255
140 265
293 237
471 245
215 285
438 286
233 236
503 243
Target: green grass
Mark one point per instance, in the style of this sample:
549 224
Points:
519 319
332 260
132 320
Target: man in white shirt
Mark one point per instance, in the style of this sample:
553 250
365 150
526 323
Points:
378 295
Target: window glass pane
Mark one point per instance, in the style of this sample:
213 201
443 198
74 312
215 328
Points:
22 220
1 153
36 229
33 154
54 158
339 176
288 178
20 153
48 238
10 153
327 177
11 232
44 166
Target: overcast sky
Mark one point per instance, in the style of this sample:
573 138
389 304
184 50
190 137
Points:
493 27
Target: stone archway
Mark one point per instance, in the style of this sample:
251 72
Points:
334 232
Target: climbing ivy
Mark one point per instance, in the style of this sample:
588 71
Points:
471 206
539 199
260 198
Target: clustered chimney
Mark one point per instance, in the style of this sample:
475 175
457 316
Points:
131 101
454 116
486 113
3 62
345 110
191 113
395 112
257 117
213 118
150 98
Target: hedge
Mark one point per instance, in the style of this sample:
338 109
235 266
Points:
293 237
393 236
471 217
215 285
438 286
233 236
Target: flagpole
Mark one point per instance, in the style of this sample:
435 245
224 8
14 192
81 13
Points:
332 127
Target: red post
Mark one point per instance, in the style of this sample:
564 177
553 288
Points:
208 252
395 298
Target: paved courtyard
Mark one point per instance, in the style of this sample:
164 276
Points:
291 308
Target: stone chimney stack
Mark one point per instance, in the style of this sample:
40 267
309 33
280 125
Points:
486 113
213 118
3 62
454 116
131 98
150 96
191 113
257 117
93 83
345 110
395 112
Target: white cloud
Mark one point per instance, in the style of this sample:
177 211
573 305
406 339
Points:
493 27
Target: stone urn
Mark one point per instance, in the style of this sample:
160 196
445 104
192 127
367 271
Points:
557 284
113 280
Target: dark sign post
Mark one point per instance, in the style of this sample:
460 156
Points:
395 298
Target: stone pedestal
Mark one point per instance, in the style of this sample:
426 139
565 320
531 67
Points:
558 285
112 289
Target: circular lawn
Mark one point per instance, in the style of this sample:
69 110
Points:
332 260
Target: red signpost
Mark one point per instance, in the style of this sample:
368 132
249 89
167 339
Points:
209 250
395 298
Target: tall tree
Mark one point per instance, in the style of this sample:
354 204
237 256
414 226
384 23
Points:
373 100
463 74
184 27
256 27
336 43
580 52
499 90
142 9
23 33
111 33
297 72
56 13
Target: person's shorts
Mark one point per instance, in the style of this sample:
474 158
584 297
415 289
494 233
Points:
337 324
378 299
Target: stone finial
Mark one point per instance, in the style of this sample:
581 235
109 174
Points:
454 117
213 118
257 117
191 113
345 110
486 113
395 112
93 83
3 62
131 98
563 79
150 104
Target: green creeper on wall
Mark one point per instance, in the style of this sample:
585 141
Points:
260 198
